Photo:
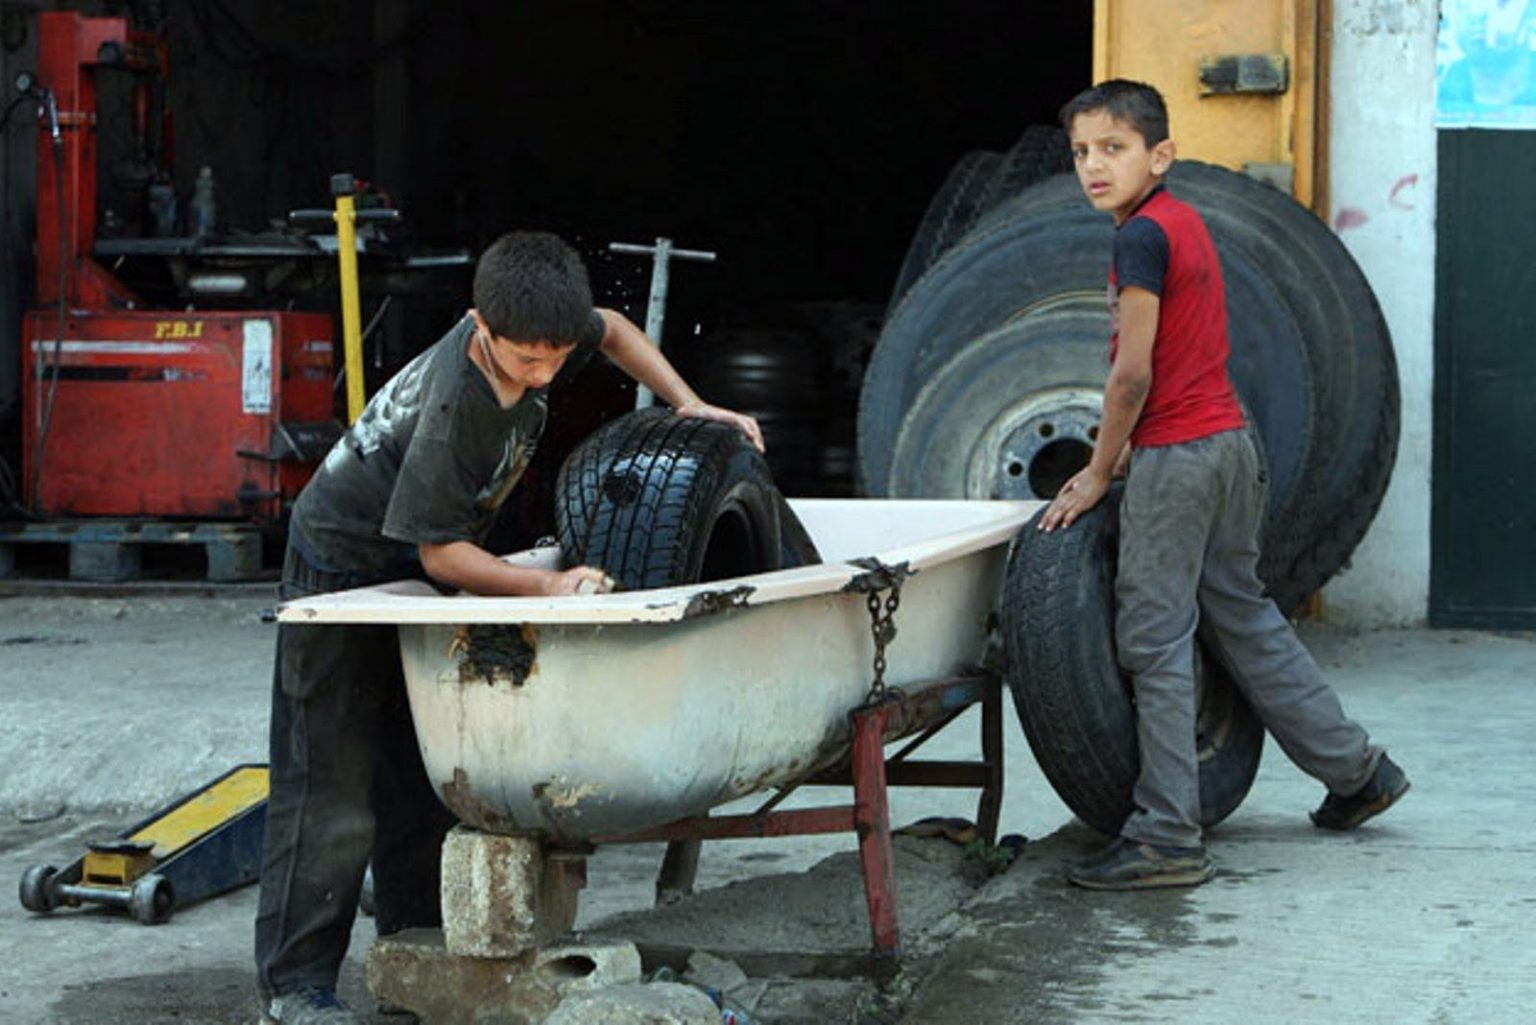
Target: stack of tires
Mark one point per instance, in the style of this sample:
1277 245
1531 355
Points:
987 383
988 376
801 382
774 375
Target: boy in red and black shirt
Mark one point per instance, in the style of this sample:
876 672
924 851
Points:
1190 516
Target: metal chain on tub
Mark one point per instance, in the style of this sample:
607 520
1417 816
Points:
881 585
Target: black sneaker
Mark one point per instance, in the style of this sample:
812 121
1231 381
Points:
1128 865
310 1005
1386 785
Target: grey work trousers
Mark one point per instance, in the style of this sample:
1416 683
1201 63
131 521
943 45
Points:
1189 527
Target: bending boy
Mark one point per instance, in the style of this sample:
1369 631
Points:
410 490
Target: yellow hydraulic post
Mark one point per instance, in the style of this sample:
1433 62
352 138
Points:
343 187
346 217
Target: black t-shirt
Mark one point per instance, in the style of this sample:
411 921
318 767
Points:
430 461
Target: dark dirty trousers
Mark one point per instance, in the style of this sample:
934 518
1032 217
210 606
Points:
1189 527
347 786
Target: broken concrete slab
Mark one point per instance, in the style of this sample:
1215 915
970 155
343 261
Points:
415 970
711 972
652 1003
501 896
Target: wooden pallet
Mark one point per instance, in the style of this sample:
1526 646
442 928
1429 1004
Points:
112 550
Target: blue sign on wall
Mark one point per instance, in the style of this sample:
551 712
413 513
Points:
1485 64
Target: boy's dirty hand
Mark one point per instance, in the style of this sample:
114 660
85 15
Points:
578 580
743 423
1076 497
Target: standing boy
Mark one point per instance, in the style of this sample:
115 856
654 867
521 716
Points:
1190 517
411 490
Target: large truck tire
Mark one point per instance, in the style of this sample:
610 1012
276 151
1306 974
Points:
1072 699
960 199
980 181
1043 151
657 500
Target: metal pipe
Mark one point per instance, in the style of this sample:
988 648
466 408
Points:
116 896
662 254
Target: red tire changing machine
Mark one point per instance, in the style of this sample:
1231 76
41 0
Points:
135 412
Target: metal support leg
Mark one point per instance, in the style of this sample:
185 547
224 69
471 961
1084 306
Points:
869 816
990 805
872 822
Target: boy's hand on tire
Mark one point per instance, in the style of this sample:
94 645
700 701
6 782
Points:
743 423
1076 497
579 580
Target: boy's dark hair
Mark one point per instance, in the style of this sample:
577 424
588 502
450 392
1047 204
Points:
1136 103
531 286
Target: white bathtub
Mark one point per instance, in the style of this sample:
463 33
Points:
607 714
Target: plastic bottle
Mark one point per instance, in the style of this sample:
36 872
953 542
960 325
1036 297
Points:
203 212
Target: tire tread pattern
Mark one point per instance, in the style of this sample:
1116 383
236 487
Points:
638 498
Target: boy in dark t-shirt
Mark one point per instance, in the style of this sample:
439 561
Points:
411 489
1190 515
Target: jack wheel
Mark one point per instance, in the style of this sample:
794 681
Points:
151 900
37 889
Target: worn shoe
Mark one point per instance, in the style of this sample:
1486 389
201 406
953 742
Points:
1128 865
1386 785
310 1005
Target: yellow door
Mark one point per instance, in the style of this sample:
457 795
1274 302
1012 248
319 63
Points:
1243 79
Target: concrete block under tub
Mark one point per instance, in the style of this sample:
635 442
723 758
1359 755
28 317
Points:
501 896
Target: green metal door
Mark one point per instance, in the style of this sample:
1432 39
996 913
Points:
1483 556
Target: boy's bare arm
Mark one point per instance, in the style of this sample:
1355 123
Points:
1130 379
633 353
471 568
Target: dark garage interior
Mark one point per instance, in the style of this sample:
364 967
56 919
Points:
799 141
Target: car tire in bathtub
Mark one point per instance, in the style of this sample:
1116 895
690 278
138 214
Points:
657 500
1072 699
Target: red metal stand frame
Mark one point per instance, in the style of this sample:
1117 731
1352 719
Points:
900 713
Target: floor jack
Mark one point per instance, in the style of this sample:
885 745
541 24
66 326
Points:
202 845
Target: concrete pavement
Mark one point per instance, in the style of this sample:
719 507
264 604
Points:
114 705
1422 916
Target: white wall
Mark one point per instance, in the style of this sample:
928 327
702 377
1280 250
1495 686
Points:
1382 197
